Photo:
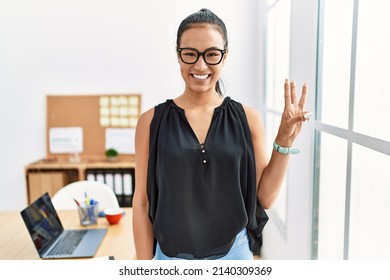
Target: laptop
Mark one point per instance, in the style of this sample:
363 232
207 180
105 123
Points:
51 240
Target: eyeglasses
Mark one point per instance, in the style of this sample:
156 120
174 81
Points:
211 56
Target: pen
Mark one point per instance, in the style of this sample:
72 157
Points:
87 200
75 200
90 204
91 208
81 209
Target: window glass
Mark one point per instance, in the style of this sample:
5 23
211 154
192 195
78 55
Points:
333 169
336 62
280 205
353 183
370 207
277 70
372 98
278 53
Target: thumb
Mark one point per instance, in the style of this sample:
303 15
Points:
296 119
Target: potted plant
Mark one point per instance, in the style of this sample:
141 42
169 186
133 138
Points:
112 154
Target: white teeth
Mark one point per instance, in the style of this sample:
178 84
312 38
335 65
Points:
200 77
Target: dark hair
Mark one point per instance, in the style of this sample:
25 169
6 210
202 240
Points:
204 16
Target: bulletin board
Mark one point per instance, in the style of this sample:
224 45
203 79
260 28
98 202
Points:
93 114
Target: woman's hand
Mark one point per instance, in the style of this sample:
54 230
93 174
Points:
293 115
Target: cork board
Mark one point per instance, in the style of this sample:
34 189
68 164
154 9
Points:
94 114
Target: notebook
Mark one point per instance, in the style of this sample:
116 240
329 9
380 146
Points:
51 240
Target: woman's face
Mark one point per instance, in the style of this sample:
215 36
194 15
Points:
201 77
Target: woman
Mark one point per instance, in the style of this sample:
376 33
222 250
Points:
201 163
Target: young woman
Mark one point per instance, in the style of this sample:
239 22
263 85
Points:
201 164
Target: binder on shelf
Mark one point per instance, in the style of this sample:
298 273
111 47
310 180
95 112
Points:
127 189
118 186
90 175
99 175
121 181
109 179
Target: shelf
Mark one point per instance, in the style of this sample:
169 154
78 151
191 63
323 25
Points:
52 174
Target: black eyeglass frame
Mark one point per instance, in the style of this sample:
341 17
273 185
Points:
179 50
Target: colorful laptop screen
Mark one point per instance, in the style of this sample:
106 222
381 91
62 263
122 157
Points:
42 222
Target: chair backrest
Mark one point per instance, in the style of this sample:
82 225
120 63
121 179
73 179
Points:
100 192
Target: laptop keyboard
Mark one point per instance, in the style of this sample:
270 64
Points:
68 243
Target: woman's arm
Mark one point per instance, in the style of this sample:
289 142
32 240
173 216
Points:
271 172
142 227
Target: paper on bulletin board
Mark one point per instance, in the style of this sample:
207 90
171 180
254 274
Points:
66 140
120 139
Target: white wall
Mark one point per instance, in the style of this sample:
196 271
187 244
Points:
93 47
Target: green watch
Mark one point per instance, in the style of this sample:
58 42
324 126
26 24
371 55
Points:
285 150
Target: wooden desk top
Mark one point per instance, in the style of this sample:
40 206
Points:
60 163
16 244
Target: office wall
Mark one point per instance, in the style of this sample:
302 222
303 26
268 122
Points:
98 46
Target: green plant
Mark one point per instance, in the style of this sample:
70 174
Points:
111 153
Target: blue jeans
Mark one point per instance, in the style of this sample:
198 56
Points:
239 251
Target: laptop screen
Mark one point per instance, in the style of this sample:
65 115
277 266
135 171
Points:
42 222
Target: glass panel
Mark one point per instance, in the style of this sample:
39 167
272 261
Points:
337 40
370 207
372 98
280 205
333 169
278 53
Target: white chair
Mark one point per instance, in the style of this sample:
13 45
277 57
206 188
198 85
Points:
100 192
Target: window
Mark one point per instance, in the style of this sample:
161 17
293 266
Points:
352 186
277 69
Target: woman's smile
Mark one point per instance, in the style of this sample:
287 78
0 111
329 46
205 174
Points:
200 76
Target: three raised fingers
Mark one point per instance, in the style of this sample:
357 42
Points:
290 94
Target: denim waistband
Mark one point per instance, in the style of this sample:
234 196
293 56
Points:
239 245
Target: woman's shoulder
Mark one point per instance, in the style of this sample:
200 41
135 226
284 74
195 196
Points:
255 121
146 117
250 112
252 115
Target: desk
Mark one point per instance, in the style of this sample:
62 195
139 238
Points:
16 244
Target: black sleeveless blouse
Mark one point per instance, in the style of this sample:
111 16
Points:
201 195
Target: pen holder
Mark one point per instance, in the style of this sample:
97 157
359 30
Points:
88 213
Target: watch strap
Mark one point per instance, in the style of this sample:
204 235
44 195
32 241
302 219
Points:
285 150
